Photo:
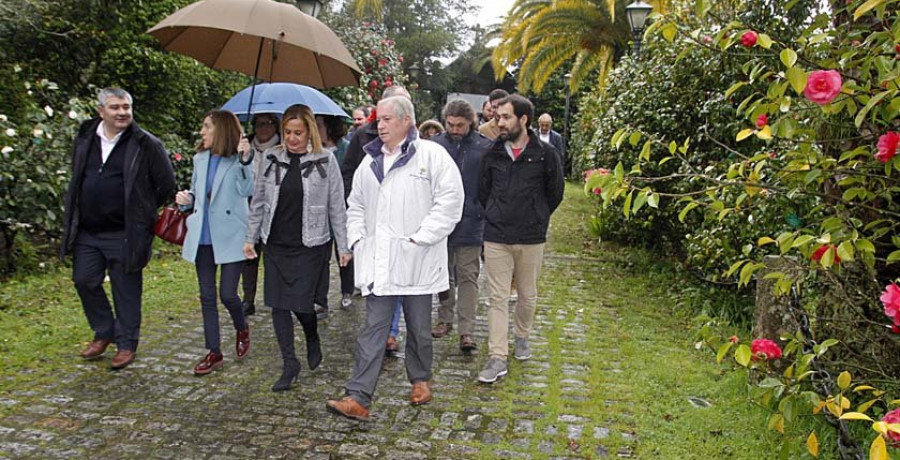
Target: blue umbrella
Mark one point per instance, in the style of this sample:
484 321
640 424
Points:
276 97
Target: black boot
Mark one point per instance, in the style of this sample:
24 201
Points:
284 332
249 307
313 347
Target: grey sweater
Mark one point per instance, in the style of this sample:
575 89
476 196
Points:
324 209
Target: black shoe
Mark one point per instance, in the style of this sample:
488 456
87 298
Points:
321 312
313 354
290 373
249 307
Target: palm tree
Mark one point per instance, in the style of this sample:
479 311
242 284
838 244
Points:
540 36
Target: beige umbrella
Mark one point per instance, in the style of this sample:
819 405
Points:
264 38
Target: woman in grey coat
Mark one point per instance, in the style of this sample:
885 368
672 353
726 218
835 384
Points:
298 200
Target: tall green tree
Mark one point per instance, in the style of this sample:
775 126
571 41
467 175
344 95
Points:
541 36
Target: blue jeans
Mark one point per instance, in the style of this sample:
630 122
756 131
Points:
395 321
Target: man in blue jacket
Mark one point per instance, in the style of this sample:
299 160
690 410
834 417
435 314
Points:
521 185
466 146
121 175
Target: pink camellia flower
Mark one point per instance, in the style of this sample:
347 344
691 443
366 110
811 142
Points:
762 121
400 58
890 298
892 417
887 146
388 82
734 339
817 256
895 329
177 156
382 62
707 39
373 83
823 86
765 349
749 38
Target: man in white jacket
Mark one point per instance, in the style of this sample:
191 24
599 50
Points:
407 197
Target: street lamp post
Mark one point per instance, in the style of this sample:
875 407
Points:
568 77
637 13
311 7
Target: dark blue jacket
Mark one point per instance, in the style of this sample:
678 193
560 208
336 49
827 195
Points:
467 153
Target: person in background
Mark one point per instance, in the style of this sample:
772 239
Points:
548 135
407 196
121 175
217 202
466 147
297 203
521 185
360 116
265 136
490 129
429 129
332 129
487 113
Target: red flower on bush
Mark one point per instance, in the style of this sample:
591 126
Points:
762 121
749 38
817 256
892 417
887 146
373 83
890 298
765 349
734 339
382 62
177 156
590 172
823 86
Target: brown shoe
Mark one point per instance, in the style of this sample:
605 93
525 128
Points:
467 343
441 330
95 349
348 407
211 362
122 359
242 343
392 346
420 393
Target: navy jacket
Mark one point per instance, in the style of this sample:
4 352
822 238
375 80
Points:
519 196
149 183
467 154
355 153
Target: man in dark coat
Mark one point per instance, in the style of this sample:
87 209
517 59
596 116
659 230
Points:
521 185
121 175
548 135
466 146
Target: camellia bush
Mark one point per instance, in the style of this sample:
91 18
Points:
816 141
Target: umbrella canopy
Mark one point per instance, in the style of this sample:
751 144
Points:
276 97
264 38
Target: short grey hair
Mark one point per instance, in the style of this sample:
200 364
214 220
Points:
545 117
402 107
394 91
106 93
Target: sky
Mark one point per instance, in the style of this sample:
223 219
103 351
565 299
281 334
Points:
490 11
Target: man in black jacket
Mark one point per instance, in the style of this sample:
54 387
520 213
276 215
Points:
467 147
521 185
121 175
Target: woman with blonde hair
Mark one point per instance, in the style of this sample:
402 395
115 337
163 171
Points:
297 202
429 129
220 186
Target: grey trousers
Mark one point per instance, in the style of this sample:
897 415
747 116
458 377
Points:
464 264
374 334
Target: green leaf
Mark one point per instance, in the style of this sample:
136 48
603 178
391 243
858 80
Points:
742 355
634 138
764 241
626 209
722 351
866 7
615 138
669 30
843 380
893 257
734 88
645 151
684 212
735 266
864 245
653 200
765 41
619 171
743 134
861 115
797 78
845 251
802 240
673 147
788 57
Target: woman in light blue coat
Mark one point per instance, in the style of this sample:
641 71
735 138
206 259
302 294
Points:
217 202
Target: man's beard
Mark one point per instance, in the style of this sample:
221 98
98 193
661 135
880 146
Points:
510 135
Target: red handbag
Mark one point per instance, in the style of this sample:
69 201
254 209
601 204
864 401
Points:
171 225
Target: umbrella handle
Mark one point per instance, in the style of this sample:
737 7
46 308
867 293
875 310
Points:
249 159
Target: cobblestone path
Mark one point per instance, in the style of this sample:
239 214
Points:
556 405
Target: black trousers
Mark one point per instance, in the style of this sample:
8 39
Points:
228 283
94 257
346 273
249 274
